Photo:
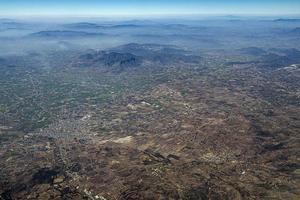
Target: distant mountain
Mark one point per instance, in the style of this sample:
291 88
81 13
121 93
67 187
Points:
135 55
149 49
125 26
113 60
295 31
83 25
231 16
63 34
2 60
287 20
140 22
6 20
281 58
10 24
178 26
157 53
254 51
86 25
273 60
292 53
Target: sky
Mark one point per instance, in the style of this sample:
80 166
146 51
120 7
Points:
148 7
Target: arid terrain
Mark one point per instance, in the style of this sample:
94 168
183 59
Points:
186 114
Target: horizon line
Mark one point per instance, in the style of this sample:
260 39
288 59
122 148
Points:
151 15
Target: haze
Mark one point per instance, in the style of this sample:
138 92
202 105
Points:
130 100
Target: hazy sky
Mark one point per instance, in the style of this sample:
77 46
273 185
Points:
148 7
